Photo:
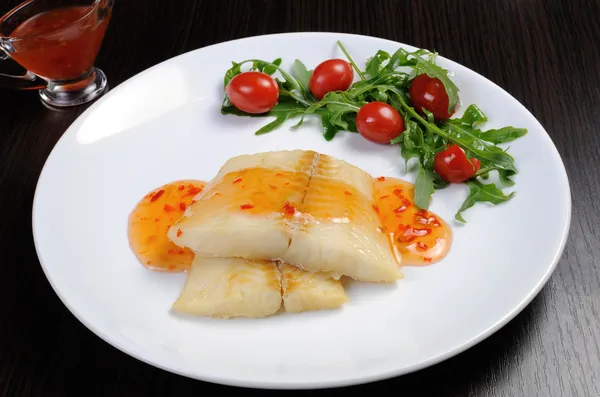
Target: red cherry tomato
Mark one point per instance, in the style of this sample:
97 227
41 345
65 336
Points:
253 92
331 75
453 166
429 93
379 122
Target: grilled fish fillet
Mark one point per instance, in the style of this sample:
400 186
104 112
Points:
244 210
342 232
230 287
303 291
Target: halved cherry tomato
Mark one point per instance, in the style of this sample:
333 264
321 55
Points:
453 166
379 122
253 92
430 93
331 75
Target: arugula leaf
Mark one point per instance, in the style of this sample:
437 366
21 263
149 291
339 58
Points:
266 67
504 177
473 116
350 60
423 187
283 111
329 130
338 104
301 75
502 135
480 192
232 72
374 64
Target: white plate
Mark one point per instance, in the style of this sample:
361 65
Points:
165 124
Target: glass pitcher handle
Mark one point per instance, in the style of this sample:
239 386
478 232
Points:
28 81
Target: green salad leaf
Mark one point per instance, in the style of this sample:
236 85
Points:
480 192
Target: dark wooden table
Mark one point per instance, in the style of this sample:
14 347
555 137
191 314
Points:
546 53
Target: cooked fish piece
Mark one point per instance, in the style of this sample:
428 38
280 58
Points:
230 287
339 230
304 291
245 210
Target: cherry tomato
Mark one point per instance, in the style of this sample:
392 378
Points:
379 122
331 75
429 93
453 166
253 92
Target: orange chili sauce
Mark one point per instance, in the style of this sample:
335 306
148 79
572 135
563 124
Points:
150 220
256 191
421 236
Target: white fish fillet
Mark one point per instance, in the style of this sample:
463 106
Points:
240 212
333 226
230 287
304 291
343 233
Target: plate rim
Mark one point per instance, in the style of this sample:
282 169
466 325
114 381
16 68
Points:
286 385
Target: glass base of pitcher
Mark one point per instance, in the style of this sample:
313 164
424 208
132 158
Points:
65 94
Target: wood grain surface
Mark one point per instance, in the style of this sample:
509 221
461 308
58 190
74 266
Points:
546 53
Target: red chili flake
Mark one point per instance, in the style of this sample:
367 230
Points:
148 262
193 201
157 195
397 192
287 183
375 208
182 206
420 219
347 193
422 246
415 231
432 220
405 239
381 178
170 252
272 186
180 252
385 196
279 174
246 206
288 209
427 259
168 207
193 191
237 180
406 202
179 232
400 209
156 219
181 187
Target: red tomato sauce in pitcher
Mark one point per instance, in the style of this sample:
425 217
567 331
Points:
61 44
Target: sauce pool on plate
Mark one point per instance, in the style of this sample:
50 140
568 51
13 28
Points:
421 237
150 220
